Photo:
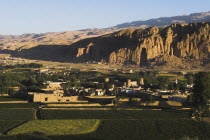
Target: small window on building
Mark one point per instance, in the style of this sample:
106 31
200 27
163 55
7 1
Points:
67 100
59 100
46 99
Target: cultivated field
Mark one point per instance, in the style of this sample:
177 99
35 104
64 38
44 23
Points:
8 98
145 130
112 114
17 114
17 105
5 125
57 127
18 122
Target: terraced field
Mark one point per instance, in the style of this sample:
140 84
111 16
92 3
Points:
8 98
148 130
18 105
180 129
57 127
5 125
112 114
16 114
145 130
111 124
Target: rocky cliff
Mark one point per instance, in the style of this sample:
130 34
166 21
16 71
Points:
28 41
142 46
176 46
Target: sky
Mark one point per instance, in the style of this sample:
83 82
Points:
41 16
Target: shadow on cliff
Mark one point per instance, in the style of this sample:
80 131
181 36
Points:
57 53
100 49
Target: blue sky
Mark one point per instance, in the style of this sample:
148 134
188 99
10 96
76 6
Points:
40 16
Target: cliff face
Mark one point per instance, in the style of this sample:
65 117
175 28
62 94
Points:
174 45
140 46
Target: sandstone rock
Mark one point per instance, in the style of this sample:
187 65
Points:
128 46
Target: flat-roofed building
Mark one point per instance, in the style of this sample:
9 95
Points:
53 97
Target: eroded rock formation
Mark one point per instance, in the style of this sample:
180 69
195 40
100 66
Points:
182 41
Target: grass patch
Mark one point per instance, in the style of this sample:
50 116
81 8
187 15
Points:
154 114
112 114
56 127
16 114
79 107
129 130
167 74
68 103
19 105
6 125
8 98
81 114
145 130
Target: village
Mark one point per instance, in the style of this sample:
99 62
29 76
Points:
54 92
58 92
113 87
36 96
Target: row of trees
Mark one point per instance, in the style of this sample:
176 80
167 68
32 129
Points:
30 65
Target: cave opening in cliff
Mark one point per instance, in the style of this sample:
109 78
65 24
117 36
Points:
143 58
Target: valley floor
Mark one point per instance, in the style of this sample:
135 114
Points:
55 124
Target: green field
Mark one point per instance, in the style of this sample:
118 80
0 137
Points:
57 127
145 130
8 98
5 125
62 124
112 114
18 105
167 74
81 114
16 114
111 130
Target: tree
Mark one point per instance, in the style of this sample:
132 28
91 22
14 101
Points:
163 82
190 79
201 93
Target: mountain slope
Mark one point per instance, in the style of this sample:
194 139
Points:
178 46
26 41
165 21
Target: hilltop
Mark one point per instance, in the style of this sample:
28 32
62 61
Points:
165 21
27 41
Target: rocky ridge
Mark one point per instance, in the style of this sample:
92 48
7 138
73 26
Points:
142 46
165 21
27 41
